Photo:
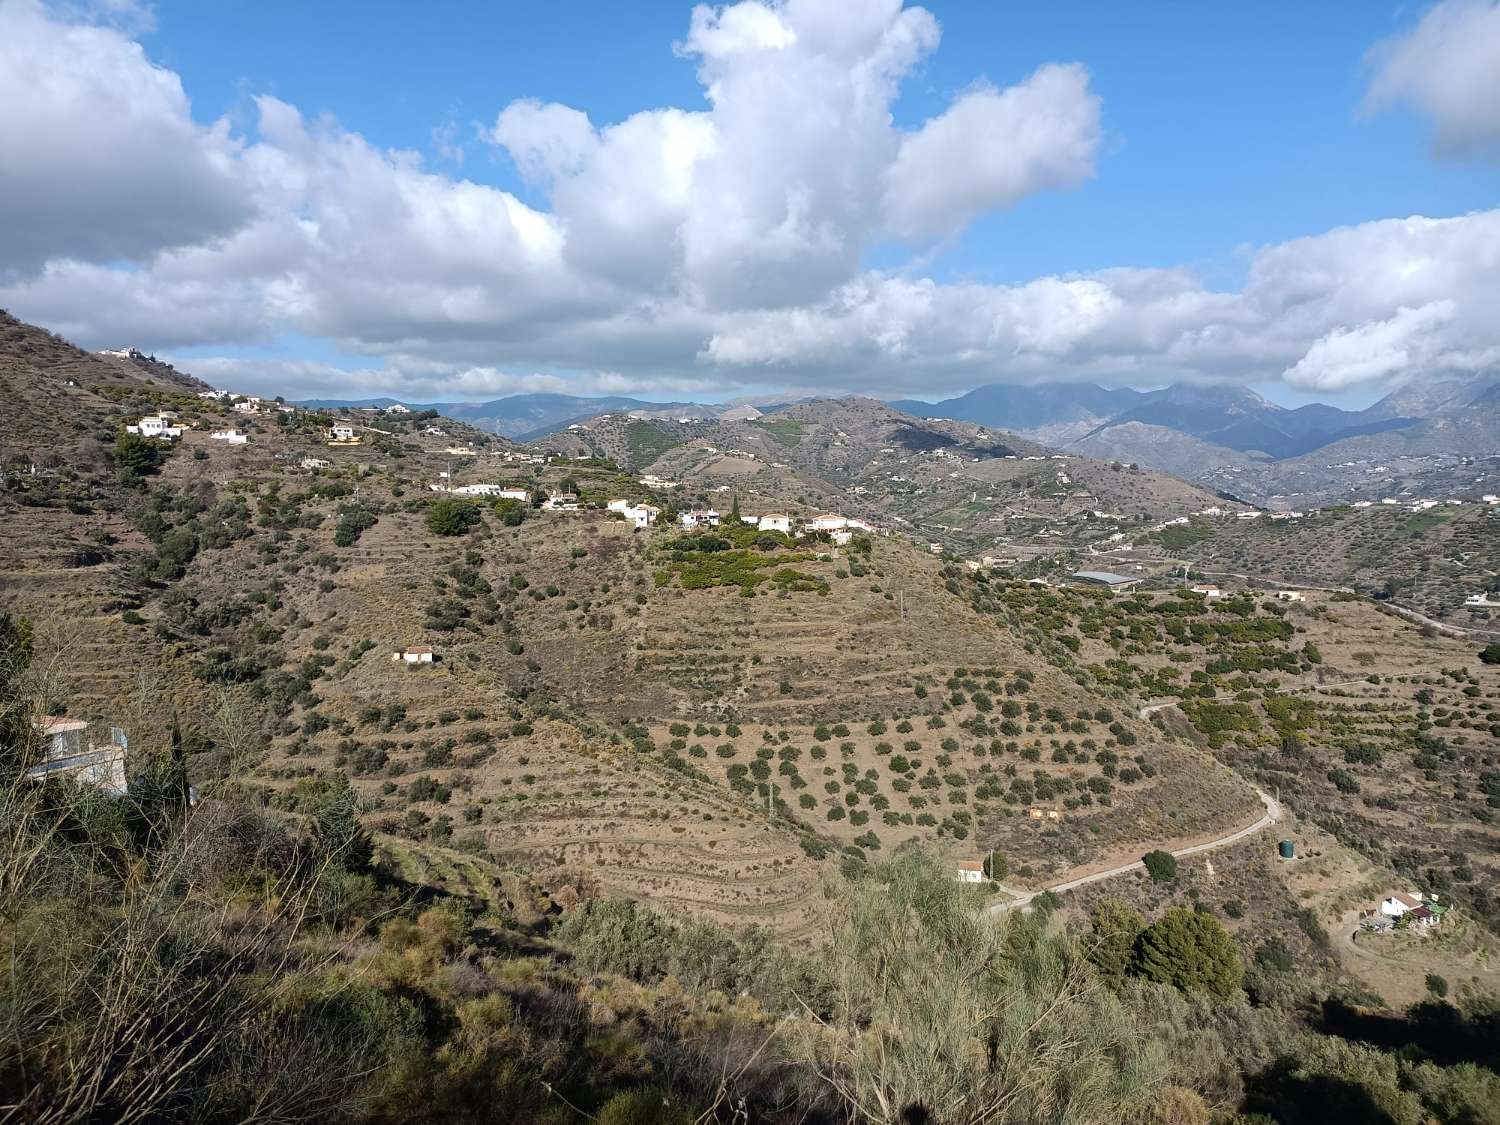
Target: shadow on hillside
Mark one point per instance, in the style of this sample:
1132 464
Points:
1320 1099
1432 1028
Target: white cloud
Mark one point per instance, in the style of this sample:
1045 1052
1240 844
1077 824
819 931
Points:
991 149
100 158
1448 67
1373 351
676 248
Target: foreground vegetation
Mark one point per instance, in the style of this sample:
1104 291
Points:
170 960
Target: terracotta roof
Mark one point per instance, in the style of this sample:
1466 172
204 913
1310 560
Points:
1407 900
417 651
971 865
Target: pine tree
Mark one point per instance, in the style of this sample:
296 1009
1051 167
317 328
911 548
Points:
340 836
1192 951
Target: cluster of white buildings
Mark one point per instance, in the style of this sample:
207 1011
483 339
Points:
165 425
500 491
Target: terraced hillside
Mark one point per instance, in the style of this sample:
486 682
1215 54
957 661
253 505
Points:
1384 734
1431 560
705 720
963 485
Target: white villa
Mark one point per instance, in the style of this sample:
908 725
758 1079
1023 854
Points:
66 755
156 426
699 517
397 408
342 432
826 522
233 437
775 521
250 405
1483 601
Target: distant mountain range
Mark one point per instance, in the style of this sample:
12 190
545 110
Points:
1230 417
1223 436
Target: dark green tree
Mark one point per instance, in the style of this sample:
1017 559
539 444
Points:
1490 654
137 456
1112 936
1160 865
995 865
452 517
1191 951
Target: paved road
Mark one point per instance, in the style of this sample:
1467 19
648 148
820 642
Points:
1274 814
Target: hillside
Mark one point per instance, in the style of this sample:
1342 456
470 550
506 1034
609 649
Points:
969 488
652 796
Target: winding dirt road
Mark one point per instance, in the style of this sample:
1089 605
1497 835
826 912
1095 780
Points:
1273 815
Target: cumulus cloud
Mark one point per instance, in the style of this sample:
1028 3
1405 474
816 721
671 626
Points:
1318 309
680 250
100 158
991 149
1448 67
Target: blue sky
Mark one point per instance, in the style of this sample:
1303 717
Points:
1225 125
1197 139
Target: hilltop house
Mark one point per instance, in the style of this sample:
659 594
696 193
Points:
156 426
414 656
971 871
65 754
233 437
775 521
397 408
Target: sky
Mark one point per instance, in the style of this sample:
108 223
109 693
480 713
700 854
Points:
459 201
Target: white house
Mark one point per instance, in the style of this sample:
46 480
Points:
1207 591
156 426
66 755
233 437
414 656
342 431
971 871
1399 903
250 405
775 521
515 494
397 408
619 505
641 515
1483 601
1290 596
826 522
699 517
